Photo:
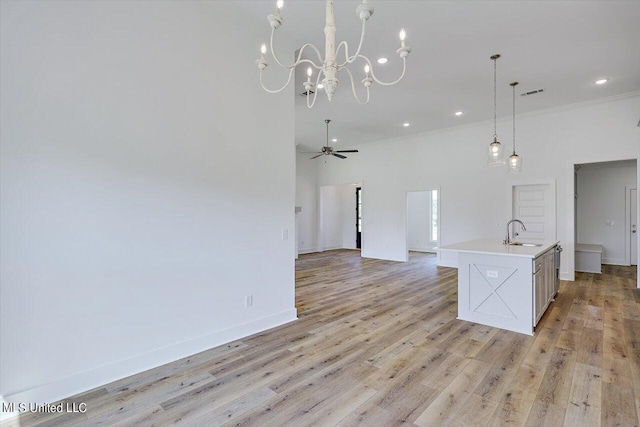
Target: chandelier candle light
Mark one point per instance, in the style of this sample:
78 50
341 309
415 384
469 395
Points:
330 66
515 161
496 156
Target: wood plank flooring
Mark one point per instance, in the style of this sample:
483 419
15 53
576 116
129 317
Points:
377 343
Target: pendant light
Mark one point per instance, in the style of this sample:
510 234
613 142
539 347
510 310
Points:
515 161
496 155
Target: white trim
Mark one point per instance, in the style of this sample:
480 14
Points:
615 261
627 224
70 386
307 251
383 257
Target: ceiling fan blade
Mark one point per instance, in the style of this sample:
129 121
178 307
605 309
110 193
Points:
314 157
346 151
338 155
310 152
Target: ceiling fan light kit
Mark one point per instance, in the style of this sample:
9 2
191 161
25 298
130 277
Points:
329 67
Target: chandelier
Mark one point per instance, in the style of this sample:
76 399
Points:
331 64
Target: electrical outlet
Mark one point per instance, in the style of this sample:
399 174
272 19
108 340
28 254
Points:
248 301
285 234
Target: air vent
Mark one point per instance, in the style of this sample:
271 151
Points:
532 92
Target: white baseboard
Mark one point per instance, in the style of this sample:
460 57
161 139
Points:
570 277
382 256
615 261
307 251
70 386
332 248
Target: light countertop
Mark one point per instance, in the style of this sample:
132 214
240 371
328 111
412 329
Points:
496 247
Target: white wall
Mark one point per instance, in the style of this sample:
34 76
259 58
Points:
142 170
419 221
307 199
331 217
602 208
475 206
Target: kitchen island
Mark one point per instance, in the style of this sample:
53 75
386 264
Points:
505 286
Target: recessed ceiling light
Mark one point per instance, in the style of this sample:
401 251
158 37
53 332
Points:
382 60
458 113
334 140
601 81
320 86
406 124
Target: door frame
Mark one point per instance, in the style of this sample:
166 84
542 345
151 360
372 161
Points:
358 216
627 223
554 205
406 219
571 209
320 217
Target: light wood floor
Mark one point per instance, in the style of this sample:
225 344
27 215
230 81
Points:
378 344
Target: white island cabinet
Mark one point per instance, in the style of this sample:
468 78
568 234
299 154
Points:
505 286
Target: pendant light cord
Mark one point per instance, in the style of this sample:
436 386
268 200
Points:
514 119
495 103
513 85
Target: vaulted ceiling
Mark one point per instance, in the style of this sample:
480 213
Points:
559 46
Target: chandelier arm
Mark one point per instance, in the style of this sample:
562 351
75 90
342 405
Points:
404 69
315 93
300 52
350 59
353 88
282 88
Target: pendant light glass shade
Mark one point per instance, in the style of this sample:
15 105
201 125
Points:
495 153
515 161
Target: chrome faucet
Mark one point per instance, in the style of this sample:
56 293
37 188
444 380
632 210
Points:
507 239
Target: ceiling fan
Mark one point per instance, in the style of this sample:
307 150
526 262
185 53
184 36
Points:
329 151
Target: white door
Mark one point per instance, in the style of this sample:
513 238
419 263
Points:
534 205
634 222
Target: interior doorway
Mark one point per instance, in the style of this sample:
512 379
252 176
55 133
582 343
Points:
606 210
423 220
336 226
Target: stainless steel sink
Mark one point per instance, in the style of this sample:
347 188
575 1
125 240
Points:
529 245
